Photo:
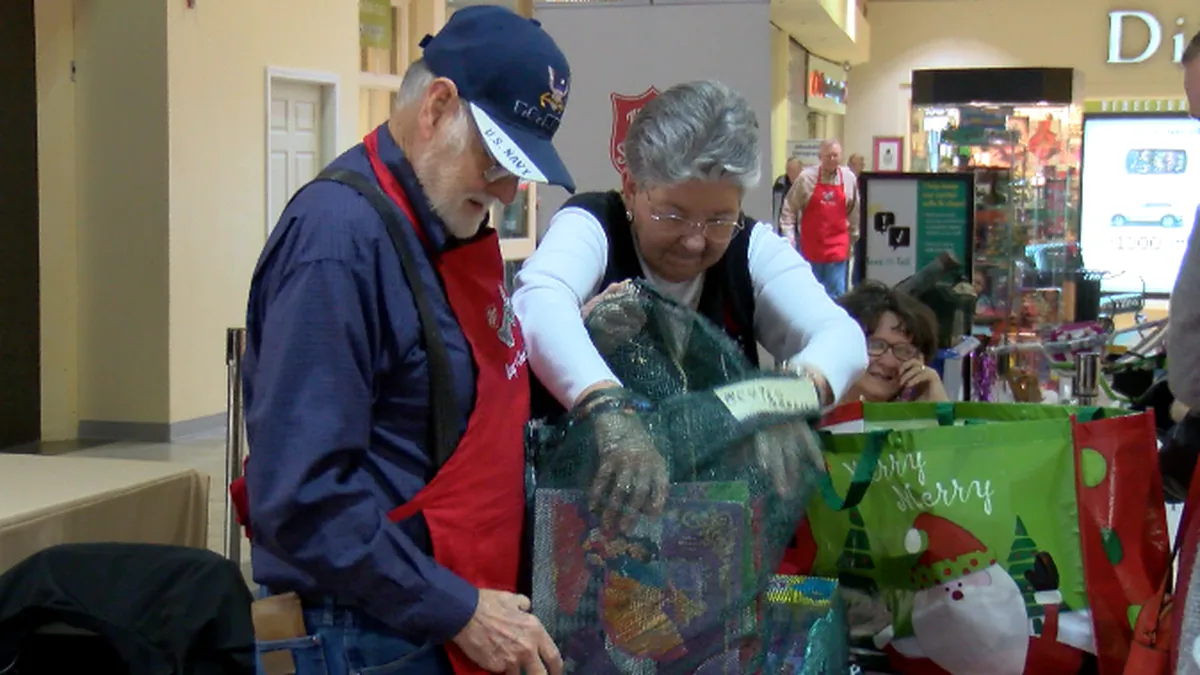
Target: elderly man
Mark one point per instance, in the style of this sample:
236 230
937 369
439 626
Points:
385 379
857 164
783 185
820 215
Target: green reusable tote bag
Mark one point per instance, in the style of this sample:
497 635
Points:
969 532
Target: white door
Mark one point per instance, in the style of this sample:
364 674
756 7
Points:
295 142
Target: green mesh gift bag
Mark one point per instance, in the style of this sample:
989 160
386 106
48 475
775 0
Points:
662 510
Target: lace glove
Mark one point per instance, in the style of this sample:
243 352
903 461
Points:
788 454
788 451
614 317
632 476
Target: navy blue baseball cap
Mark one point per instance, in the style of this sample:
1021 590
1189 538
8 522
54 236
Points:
516 82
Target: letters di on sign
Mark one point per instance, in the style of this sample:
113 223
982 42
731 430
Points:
1116 33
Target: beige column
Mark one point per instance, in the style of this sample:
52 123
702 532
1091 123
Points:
425 17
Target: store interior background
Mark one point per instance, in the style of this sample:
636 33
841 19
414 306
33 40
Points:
151 169
149 206
1011 33
983 33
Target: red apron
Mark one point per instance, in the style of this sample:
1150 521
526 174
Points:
475 504
824 229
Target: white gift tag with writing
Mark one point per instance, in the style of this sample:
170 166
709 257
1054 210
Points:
769 396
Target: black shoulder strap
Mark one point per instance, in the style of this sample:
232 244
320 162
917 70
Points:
443 404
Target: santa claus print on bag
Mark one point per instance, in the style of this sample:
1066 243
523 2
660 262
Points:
971 617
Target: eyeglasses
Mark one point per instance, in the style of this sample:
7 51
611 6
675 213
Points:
902 351
496 172
716 229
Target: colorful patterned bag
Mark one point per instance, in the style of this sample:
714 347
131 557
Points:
806 620
1004 539
684 591
597 591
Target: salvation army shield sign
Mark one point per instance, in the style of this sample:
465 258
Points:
625 108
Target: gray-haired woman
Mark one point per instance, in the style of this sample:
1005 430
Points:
677 223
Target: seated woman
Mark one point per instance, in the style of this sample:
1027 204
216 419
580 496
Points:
692 153
901 339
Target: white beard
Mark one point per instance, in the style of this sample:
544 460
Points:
442 170
985 632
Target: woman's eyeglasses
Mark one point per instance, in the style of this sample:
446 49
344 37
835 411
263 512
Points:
719 230
902 351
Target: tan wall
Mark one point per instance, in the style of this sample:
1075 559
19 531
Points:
152 167
1031 33
781 109
152 179
219 53
59 250
121 209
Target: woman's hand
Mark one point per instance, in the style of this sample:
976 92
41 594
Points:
785 453
632 477
824 391
613 317
613 290
924 380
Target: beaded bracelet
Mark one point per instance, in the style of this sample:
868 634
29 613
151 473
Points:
603 401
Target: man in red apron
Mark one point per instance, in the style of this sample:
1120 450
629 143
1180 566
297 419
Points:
820 217
386 390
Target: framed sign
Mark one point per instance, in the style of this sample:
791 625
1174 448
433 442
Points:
887 154
910 219
807 151
825 87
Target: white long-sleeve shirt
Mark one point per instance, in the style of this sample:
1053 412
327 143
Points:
794 318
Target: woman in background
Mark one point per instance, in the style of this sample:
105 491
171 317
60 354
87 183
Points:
901 342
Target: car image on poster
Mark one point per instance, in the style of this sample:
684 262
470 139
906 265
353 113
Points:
1138 197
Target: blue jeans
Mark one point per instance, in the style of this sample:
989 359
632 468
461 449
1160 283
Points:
832 276
344 641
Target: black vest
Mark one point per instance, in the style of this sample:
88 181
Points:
727 298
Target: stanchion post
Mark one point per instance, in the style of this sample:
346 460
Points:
1087 378
235 436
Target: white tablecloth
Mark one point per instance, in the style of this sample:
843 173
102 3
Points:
46 501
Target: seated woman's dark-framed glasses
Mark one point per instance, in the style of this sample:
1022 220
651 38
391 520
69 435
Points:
902 351
719 230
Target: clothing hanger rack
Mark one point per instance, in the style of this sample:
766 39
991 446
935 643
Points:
1047 348
1102 340
1150 343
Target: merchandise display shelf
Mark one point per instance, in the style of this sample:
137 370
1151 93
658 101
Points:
1026 164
